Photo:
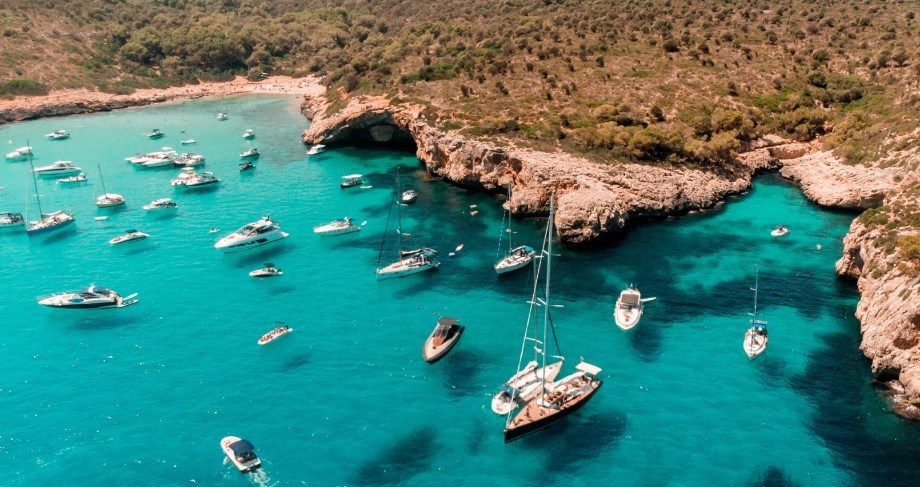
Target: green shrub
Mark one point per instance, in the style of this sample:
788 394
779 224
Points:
23 87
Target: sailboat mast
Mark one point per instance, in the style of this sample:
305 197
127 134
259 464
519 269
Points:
398 217
104 191
756 286
41 214
510 232
549 267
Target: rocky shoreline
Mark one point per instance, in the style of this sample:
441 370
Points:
596 201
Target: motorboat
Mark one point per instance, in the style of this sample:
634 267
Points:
161 204
249 134
106 199
20 153
11 220
780 231
50 222
155 157
222 116
155 134
59 168
58 135
517 258
79 178
188 178
188 159
316 149
336 227
251 235
242 453
523 386
426 251
268 271
628 310
131 235
252 153
756 337
352 180
157 161
276 332
409 197
442 339
246 165
93 297
188 142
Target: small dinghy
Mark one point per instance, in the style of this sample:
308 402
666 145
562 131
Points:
161 204
79 178
316 149
249 134
780 231
250 154
245 166
58 135
409 197
442 340
351 181
337 227
755 338
131 235
279 331
214 230
222 116
242 453
628 309
268 271
188 142
456 251
155 134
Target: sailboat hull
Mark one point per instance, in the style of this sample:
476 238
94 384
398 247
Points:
553 416
403 269
50 229
754 346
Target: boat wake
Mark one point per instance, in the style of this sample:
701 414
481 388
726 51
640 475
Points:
259 477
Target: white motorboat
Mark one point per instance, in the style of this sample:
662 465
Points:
131 235
107 199
316 149
188 142
278 331
252 153
406 265
409 197
93 297
252 235
628 310
59 168
155 134
11 220
517 257
58 135
268 271
188 178
222 116
442 339
780 231
249 134
161 204
142 159
523 386
755 338
336 227
352 180
242 453
188 160
79 178
157 161
20 153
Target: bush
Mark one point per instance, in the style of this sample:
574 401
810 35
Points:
671 45
910 246
23 87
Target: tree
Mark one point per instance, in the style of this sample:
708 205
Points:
671 45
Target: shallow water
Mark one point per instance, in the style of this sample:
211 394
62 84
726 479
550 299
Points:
145 393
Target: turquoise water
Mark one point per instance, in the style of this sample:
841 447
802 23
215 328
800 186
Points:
143 395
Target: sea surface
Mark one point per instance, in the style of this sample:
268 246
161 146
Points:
143 395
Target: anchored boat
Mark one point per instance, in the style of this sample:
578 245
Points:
628 310
755 338
517 257
256 234
93 297
406 265
442 339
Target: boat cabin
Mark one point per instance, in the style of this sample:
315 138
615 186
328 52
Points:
244 451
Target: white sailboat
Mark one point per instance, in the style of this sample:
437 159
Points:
47 222
755 339
406 265
517 257
552 401
106 199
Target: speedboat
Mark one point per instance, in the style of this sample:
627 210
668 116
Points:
58 135
188 142
11 220
189 179
247 165
628 310
129 236
252 235
59 168
79 178
155 134
780 231
161 204
249 134
107 200
268 271
278 331
50 222
442 340
250 153
409 197
523 386
316 149
336 227
242 453
93 297
352 180
188 159
20 153
221 116
517 258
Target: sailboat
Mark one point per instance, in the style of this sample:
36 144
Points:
628 309
553 401
755 339
408 264
48 222
106 199
517 257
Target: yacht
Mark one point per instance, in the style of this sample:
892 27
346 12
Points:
58 135
249 134
188 159
141 159
131 235
442 339
155 134
59 168
241 452
352 180
250 153
161 204
336 227
316 149
409 197
20 153
188 178
157 161
628 309
93 297
106 199
79 178
222 116
780 231
278 331
11 220
523 386
252 235
268 271
50 222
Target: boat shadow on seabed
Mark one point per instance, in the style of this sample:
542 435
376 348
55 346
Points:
99 320
569 446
